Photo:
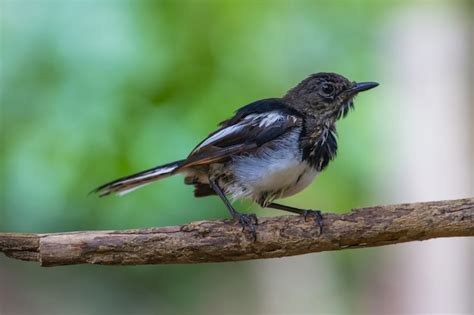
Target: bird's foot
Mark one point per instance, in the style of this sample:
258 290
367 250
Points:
248 221
318 218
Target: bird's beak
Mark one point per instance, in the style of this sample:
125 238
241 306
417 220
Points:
358 87
362 86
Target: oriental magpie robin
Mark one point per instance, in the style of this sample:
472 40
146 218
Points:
270 149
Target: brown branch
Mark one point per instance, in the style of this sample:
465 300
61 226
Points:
218 241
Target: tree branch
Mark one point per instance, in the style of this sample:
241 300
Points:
218 241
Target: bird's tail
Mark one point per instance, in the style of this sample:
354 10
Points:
127 184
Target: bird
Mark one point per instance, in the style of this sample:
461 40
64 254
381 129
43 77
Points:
269 149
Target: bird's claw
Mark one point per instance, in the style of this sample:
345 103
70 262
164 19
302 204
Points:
248 221
318 218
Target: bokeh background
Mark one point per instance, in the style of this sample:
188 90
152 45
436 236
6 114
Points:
93 90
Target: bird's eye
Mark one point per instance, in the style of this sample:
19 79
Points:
326 90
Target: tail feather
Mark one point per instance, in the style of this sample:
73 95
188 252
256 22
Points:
129 183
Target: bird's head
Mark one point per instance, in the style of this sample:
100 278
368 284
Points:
326 95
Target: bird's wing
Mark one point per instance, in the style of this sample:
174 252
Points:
251 127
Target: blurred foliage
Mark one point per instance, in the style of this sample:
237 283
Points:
94 90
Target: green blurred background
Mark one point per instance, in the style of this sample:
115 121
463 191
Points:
94 90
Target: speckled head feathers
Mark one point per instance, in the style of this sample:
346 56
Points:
327 95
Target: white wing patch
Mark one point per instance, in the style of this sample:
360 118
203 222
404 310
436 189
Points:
264 120
261 120
269 119
219 135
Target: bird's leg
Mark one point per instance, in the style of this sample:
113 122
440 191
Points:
318 218
246 220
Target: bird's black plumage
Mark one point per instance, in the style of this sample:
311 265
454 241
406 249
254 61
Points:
323 151
269 149
260 107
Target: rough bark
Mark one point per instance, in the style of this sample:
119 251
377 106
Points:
219 241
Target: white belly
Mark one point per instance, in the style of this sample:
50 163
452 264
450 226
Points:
276 172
